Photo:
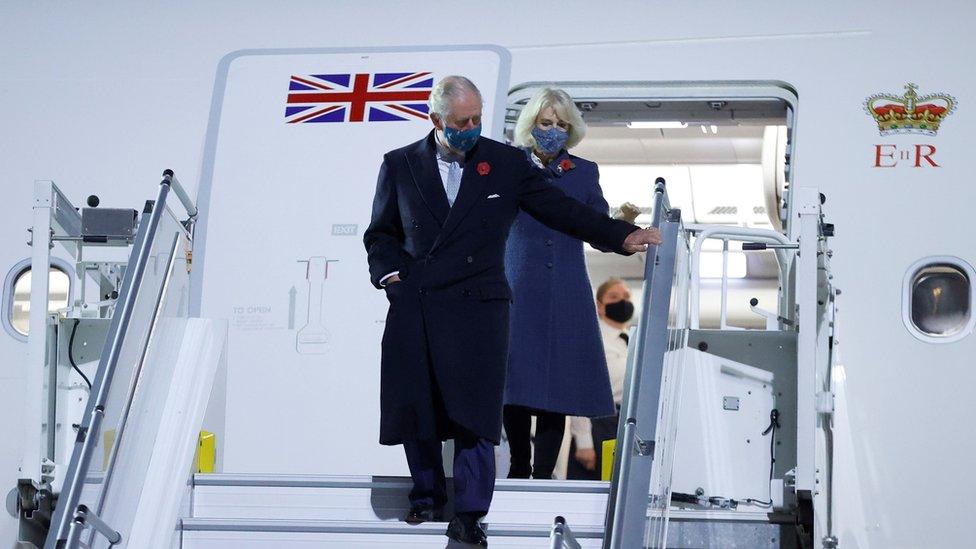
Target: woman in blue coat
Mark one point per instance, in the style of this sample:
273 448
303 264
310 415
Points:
556 364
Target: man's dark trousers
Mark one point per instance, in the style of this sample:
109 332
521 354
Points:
474 474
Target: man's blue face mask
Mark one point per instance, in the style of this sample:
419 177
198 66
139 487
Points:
549 141
462 140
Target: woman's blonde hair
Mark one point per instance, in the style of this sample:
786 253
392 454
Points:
565 108
605 287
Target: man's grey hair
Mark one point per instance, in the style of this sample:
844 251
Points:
448 88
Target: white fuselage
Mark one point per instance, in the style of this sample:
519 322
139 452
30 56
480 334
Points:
101 98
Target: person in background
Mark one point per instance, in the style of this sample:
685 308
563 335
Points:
555 364
615 309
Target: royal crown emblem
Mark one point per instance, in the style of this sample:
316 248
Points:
910 113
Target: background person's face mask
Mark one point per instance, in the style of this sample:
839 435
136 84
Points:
619 311
549 141
462 140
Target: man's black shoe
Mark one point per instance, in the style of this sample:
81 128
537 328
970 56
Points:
467 529
419 515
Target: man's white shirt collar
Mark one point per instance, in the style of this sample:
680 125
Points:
610 331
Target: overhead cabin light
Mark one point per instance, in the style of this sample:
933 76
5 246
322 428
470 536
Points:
661 125
714 128
704 129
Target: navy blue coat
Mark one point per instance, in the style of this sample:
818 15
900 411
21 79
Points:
556 360
445 344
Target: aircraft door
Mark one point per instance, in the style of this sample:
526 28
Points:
295 140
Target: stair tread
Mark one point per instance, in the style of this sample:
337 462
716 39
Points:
372 481
370 527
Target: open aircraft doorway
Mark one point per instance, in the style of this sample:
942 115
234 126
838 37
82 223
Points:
724 149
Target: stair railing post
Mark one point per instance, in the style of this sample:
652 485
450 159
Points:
630 488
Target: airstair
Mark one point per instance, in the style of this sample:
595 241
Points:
126 483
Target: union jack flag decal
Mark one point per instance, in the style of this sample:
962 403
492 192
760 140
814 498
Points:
377 97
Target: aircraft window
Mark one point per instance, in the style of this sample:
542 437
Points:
940 301
16 312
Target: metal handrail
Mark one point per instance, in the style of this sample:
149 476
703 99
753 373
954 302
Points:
725 234
561 536
169 178
627 504
88 433
625 431
667 277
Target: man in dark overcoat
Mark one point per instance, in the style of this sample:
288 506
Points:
436 244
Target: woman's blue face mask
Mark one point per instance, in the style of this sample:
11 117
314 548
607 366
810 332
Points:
549 141
462 140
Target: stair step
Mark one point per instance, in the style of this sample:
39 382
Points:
260 534
252 511
330 498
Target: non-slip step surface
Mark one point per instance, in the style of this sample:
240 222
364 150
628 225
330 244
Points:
263 511
391 482
297 497
261 534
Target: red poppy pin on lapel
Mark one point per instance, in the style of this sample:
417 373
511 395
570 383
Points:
566 164
483 168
